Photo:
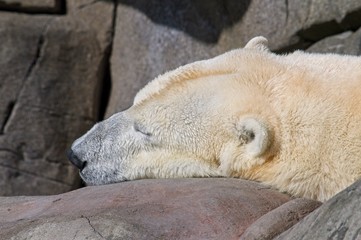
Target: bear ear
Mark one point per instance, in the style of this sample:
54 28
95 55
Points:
255 134
259 43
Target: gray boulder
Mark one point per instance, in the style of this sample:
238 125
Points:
338 218
345 43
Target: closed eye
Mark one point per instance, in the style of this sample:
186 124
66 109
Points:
141 130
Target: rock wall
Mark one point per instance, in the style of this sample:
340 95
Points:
66 64
53 65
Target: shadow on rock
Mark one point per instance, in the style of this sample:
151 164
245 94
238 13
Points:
203 20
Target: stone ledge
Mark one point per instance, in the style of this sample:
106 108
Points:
208 208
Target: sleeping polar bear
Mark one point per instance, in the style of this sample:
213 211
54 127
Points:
292 122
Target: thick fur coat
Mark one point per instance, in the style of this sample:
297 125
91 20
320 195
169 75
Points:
290 121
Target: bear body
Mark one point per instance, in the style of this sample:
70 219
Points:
292 122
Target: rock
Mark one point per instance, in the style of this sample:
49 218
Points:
279 219
144 209
345 43
338 218
34 6
152 37
51 79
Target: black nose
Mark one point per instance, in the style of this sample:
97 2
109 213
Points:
75 160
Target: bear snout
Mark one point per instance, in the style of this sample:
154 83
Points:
75 160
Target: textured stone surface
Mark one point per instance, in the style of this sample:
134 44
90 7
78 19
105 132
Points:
34 6
51 77
279 219
339 218
144 209
344 43
153 37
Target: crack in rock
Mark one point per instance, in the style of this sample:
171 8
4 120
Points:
76 233
287 11
90 224
39 47
106 83
88 4
29 71
8 111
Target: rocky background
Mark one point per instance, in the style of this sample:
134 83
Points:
66 64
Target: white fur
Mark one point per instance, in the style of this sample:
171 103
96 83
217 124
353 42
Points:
292 122
259 43
257 146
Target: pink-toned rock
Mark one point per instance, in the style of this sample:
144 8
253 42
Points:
280 219
144 209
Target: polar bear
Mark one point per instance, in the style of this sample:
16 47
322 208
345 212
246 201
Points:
292 122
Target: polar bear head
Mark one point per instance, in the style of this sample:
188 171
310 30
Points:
208 118
289 121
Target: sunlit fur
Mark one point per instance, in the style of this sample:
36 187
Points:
292 122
